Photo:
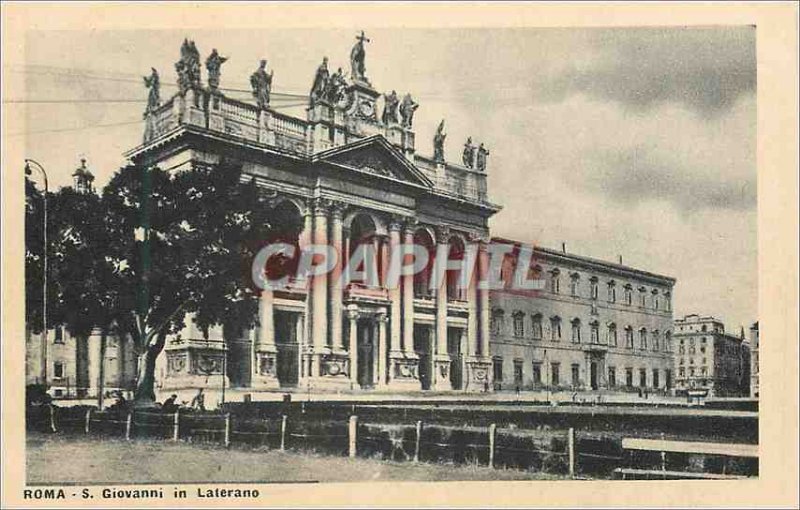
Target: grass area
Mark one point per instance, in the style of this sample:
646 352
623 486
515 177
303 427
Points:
54 459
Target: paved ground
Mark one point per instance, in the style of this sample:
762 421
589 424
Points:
58 459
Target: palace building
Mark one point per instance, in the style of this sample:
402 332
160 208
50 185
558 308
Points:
350 173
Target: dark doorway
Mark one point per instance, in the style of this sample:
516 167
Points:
366 353
422 346
454 350
593 374
286 340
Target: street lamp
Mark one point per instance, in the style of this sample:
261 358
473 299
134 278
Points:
28 171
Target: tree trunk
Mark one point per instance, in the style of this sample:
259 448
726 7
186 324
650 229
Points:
101 372
144 395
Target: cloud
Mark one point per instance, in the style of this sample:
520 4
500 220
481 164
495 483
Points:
638 175
705 70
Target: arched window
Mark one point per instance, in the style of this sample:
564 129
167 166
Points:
519 324
668 341
612 335
594 332
555 281
643 338
555 328
628 337
655 345
628 295
496 322
655 299
576 331
612 291
668 301
536 326
642 297
574 282
593 287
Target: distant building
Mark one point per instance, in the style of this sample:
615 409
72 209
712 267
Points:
594 326
709 359
754 360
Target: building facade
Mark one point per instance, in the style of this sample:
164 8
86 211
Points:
710 360
754 360
592 325
353 178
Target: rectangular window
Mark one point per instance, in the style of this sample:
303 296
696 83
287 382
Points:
681 372
629 338
612 377
628 296
655 378
629 377
573 287
642 339
668 374
642 299
555 379
595 334
643 378
518 373
594 290
555 286
498 370
612 336
59 335
58 370
655 340
576 375
612 294
537 374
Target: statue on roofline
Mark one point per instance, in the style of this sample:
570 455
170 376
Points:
214 65
468 157
357 55
483 152
407 109
438 143
154 96
336 87
320 84
390 108
261 82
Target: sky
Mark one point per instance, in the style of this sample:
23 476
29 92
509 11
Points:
629 142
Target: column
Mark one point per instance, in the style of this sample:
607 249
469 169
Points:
337 340
442 358
408 293
382 351
121 361
394 295
483 302
94 351
266 320
319 290
303 240
472 318
383 268
352 315
300 331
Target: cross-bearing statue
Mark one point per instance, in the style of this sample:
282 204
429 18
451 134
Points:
214 65
390 108
261 82
154 96
407 109
468 157
357 54
438 143
320 84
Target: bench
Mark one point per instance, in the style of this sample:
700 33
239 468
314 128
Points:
684 447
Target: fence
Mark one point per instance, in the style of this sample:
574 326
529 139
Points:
566 452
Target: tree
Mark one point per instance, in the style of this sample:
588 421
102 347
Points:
181 242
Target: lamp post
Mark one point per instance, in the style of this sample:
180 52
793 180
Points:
28 171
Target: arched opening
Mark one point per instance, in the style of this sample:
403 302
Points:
363 236
287 224
455 290
422 279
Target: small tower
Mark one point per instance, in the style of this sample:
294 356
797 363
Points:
82 179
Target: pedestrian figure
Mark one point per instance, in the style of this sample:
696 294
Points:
169 405
199 401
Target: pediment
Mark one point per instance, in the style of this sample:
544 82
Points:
376 156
